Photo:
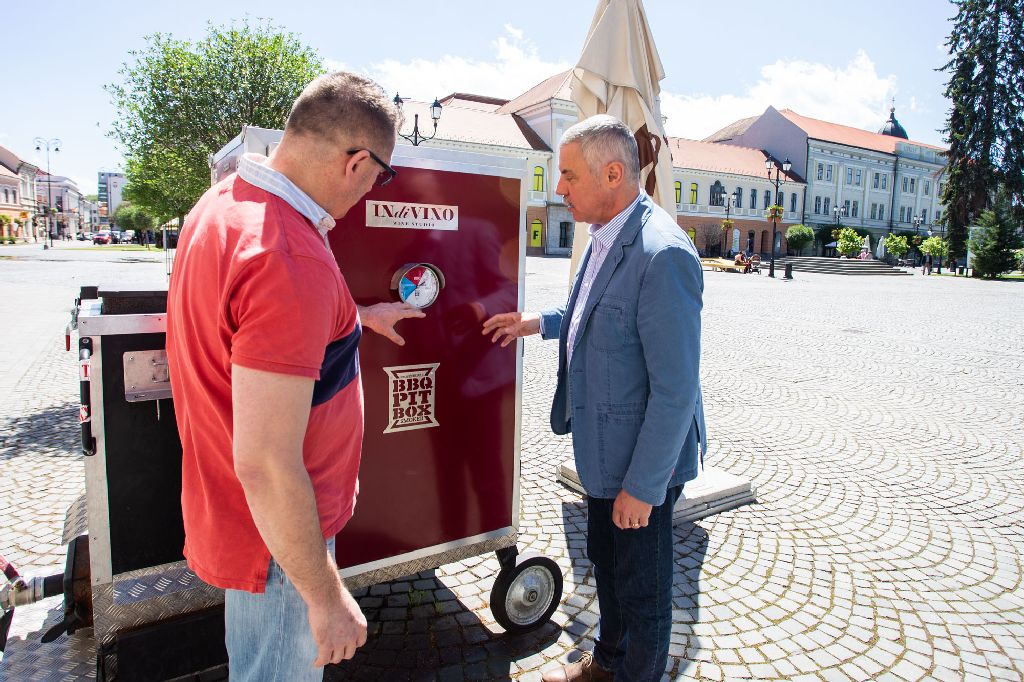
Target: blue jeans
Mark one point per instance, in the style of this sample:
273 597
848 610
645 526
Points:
267 635
633 569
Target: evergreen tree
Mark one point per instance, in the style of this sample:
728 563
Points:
985 129
995 239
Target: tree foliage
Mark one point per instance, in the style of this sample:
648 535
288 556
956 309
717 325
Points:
128 216
179 101
985 128
896 244
994 240
799 236
848 242
934 246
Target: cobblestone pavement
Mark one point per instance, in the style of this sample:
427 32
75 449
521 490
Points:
879 418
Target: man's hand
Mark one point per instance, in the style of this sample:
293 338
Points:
629 513
507 327
382 318
338 626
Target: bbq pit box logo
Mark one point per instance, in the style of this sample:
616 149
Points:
411 397
411 216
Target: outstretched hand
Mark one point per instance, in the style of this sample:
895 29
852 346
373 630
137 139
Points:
382 318
507 327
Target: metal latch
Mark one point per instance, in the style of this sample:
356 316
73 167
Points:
146 376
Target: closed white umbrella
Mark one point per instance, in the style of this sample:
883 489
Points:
880 249
618 74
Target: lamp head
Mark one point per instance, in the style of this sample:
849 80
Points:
768 163
397 100
786 165
435 110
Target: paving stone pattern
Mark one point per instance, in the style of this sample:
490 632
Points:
880 419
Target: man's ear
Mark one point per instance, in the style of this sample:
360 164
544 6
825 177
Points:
613 173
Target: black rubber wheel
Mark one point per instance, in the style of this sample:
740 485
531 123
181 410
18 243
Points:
525 595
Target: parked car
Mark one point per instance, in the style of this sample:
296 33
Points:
115 236
101 237
84 236
128 237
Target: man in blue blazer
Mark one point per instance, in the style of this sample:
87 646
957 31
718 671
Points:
628 391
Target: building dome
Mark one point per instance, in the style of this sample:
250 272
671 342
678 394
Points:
892 127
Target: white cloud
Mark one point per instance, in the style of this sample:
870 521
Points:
515 68
854 95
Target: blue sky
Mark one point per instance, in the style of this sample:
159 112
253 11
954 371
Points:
842 62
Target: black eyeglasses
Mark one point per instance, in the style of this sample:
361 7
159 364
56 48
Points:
386 175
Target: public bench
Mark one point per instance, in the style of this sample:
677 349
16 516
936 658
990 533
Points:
722 264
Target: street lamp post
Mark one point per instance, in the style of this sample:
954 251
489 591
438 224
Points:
416 137
838 210
917 220
51 144
770 163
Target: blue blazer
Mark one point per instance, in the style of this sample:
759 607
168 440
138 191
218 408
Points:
633 389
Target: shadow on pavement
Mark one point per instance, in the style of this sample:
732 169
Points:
427 633
53 429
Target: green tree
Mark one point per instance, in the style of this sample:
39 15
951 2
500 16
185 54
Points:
935 247
849 243
179 101
985 128
896 244
799 236
124 216
994 240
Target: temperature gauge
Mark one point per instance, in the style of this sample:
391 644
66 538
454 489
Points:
418 284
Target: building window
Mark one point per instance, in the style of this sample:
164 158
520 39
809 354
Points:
846 205
792 202
942 188
874 211
538 178
679 192
817 205
828 205
821 170
927 188
912 181
828 173
717 197
906 184
693 192
876 181
881 211
938 216
767 198
564 235
924 215
753 198
849 176
780 199
858 178
903 213
14 196
738 195
6 198
855 210
885 182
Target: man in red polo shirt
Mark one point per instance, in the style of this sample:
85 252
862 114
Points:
262 343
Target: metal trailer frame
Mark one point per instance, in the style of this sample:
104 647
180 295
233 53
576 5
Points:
131 599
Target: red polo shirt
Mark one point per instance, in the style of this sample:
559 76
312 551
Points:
255 285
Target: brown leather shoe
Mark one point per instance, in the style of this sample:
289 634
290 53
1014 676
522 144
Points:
583 670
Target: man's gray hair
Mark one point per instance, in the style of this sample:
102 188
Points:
604 139
343 105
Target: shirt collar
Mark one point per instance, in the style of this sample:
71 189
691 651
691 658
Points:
606 234
253 169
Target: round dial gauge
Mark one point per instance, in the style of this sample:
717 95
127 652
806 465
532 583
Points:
419 284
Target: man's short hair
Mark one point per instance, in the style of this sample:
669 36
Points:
345 106
604 139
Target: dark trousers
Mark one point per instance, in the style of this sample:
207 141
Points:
633 569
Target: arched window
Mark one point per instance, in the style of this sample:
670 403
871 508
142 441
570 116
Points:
679 192
767 198
692 233
538 178
792 202
693 192
739 197
5 196
753 198
14 196
717 197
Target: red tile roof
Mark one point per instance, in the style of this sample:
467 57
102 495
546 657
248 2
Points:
556 87
721 158
853 137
